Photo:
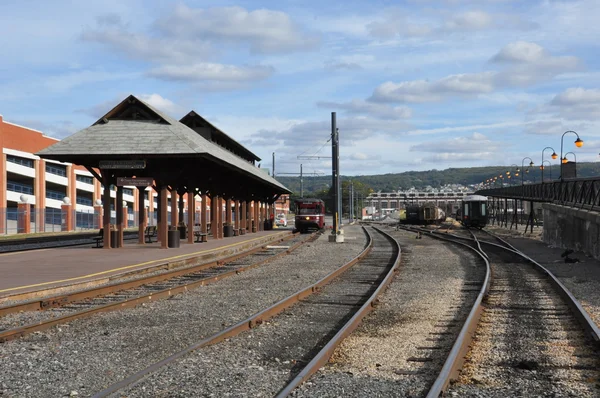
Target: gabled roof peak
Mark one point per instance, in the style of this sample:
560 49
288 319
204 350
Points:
132 108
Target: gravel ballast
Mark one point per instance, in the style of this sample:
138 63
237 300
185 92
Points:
264 358
401 346
87 355
528 342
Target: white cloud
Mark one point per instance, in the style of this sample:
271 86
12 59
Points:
265 31
408 23
459 146
162 104
520 51
425 91
156 100
362 107
359 156
528 64
149 48
577 103
458 157
211 71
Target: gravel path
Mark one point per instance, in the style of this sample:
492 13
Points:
87 355
402 344
528 343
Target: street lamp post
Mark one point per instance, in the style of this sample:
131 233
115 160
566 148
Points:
554 156
578 143
549 166
523 166
565 161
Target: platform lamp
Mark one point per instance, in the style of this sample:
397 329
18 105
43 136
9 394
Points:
523 166
550 168
565 161
578 143
554 156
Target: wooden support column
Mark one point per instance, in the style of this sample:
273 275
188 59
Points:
141 216
203 218
119 209
228 218
220 218
214 216
256 216
159 237
244 216
174 212
181 217
236 209
163 225
191 208
106 209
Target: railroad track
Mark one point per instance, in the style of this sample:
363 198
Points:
531 336
31 316
311 328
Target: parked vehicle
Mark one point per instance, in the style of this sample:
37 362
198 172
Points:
310 214
281 220
473 211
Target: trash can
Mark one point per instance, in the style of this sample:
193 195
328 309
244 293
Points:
114 239
268 225
182 232
227 231
173 239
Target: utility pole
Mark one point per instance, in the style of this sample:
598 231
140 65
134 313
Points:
273 164
301 183
334 174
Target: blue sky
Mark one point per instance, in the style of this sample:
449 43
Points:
416 84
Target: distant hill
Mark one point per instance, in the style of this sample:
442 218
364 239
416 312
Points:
434 178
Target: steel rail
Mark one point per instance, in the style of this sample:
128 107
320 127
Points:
456 358
478 244
241 326
66 298
578 311
327 351
14 333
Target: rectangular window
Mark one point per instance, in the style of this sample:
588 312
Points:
18 187
57 169
127 191
84 179
19 160
84 201
483 206
50 194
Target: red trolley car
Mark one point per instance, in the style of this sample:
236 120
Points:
310 214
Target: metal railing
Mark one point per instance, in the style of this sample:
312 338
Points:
575 192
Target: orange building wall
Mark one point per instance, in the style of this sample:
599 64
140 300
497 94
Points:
23 139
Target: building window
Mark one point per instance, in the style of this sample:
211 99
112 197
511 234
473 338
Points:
127 191
50 194
84 179
57 169
18 187
84 201
18 160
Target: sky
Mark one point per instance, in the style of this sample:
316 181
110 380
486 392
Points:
415 84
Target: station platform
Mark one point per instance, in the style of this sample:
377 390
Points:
31 271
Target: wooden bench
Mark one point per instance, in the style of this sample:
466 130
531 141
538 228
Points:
200 236
100 238
150 232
